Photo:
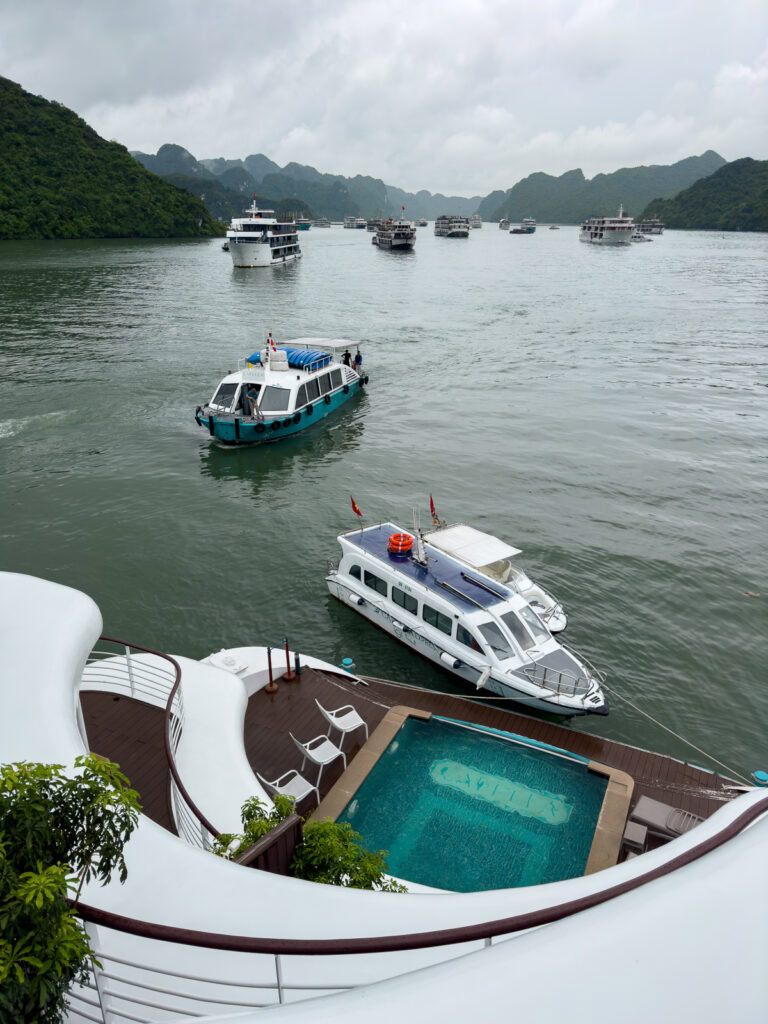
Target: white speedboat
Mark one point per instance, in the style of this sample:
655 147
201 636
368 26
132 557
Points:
261 240
491 557
452 226
608 230
475 221
638 236
394 234
483 631
281 390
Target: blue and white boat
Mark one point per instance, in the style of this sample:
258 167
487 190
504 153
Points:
481 630
282 390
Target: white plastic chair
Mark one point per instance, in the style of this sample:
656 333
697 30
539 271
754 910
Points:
319 751
291 784
344 719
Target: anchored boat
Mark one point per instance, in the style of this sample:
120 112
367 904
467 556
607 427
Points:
482 630
283 390
394 234
260 240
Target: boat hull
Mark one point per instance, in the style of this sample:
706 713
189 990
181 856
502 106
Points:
252 255
244 430
612 238
426 648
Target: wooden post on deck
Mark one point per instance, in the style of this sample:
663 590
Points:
271 686
289 673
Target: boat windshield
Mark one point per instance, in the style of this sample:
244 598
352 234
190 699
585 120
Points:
496 639
534 623
517 629
224 396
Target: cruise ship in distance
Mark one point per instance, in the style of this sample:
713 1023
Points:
476 221
394 234
651 227
261 240
452 226
608 230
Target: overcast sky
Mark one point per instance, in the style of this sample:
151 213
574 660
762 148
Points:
460 96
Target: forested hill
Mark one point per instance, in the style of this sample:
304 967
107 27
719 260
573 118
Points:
59 179
571 197
734 198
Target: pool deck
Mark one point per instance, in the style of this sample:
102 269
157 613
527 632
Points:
131 733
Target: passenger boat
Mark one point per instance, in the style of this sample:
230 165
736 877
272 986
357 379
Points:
452 226
322 222
361 223
178 937
260 240
395 234
350 222
504 224
653 226
475 221
527 227
372 225
421 222
282 390
607 230
481 630
303 224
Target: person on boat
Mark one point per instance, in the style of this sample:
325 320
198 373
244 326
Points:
358 361
347 358
252 397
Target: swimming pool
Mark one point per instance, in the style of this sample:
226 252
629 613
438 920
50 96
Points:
466 810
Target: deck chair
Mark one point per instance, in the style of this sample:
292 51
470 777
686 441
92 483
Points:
290 784
662 819
344 719
319 751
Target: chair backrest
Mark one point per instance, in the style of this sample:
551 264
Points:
299 744
264 782
325 713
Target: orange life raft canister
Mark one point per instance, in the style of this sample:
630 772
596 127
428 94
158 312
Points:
400 543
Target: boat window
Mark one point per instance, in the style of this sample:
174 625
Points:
274 399
534 623
465 637
335 378
354 570
223 397
405 601
313 390
517 629
437 619
301 397
325 383
375 582
498 642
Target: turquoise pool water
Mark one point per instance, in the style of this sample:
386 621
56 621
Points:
464 810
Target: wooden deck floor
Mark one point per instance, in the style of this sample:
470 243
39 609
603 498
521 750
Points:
131 733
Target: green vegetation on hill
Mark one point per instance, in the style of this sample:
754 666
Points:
571 197
59 179
226 203
734 198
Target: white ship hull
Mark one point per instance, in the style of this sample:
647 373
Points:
619 236
255 254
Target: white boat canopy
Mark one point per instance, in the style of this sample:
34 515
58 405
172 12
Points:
471 546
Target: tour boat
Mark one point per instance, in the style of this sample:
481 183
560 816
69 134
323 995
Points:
504 224
607 230
475 221
322 222
651 227
395 234
527 227
260 240
421 222
452 226
350 222
282 390
303 223
361 223
187 935
481 630
372 225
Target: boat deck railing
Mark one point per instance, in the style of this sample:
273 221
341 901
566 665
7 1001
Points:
562 681
115 667
279 970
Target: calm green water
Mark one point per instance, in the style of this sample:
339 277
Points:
461 810
606 411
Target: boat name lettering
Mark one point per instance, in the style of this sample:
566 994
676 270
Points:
503 793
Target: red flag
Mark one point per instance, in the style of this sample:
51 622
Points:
355 509
432 508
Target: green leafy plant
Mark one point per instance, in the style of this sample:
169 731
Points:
56 832
258 820
332 852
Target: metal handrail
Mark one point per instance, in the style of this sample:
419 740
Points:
171 729
420 940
